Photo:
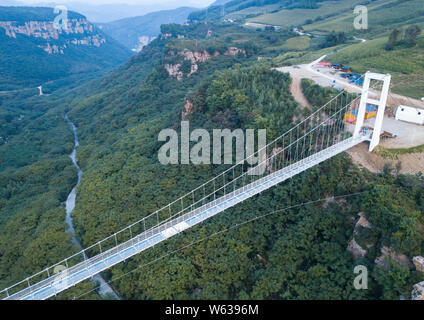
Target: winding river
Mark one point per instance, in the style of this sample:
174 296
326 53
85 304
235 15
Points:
104 288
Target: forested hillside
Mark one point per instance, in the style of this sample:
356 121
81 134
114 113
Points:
36 176
296 254
33 52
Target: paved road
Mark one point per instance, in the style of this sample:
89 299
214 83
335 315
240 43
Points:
325 76
407 134
297 93
320 75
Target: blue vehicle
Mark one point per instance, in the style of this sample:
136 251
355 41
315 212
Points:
358 81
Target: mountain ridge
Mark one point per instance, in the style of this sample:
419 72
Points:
34 51
136 32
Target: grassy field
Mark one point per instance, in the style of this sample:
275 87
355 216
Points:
241 14
405 64
296 17
294 44
383 16
304 56
297 43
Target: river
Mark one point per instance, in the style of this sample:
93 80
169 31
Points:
105 288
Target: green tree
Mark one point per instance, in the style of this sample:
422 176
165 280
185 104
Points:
411 35
393 39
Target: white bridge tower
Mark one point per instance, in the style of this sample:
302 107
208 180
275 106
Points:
381 104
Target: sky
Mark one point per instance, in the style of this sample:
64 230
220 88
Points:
96 11
198 3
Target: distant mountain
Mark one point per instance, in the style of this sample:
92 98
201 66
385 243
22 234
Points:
111 12
33 51
137 32
9 3
219 2
248 8
103 13
220 8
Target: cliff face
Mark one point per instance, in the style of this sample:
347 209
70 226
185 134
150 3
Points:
419 263
33 50
188 108
418 291
196 57
142 42
353 246
79 32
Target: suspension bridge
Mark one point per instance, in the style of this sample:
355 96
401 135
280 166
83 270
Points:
318 137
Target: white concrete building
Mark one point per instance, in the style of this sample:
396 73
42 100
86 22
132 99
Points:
410 114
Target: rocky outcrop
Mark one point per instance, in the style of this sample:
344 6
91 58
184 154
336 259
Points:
233 51
53 49
174 71
418 263
418 291
95 41
188 108
142 42
78 32
356 249
363 222
261 259
353 247
165 35
195 57
46 29
388 252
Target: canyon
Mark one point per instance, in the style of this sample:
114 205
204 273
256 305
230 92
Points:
53 40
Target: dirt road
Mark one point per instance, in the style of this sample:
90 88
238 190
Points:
325 76
297 93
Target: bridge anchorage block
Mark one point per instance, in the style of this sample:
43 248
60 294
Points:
381 106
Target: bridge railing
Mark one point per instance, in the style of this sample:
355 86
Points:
321 129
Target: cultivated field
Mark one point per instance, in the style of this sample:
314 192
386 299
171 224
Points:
296 17
406 65
382 13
